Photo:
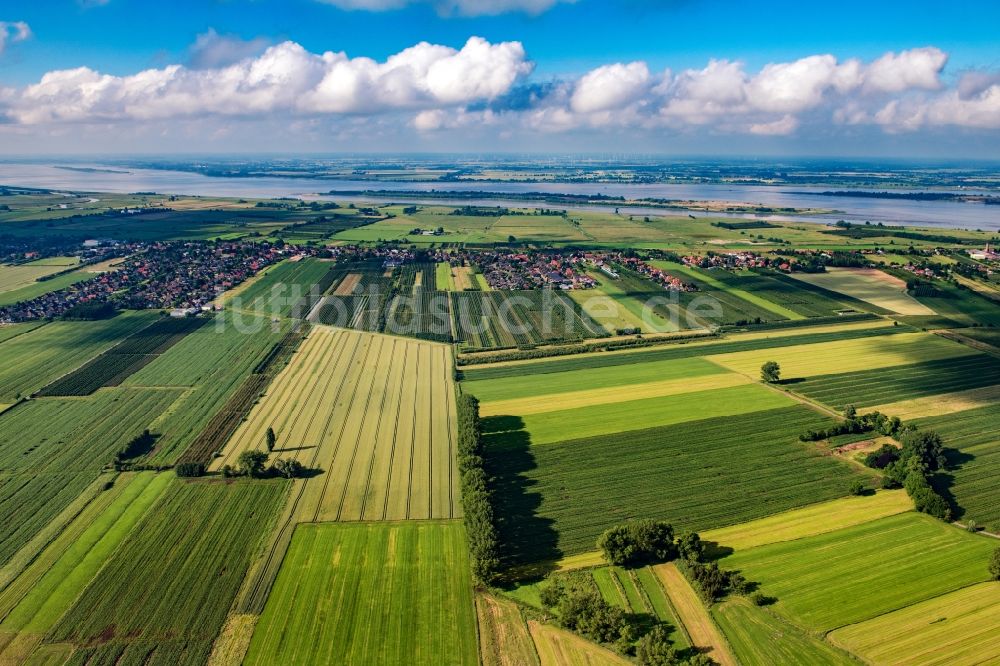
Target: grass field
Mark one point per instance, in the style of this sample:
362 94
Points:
389 593
30 361
805 360
555 500
740 342
513 387
851 575
45 468
869 285
867 388
191 555
972 481
616 417
504 639
811 520
760 638
374 414
956 628
34 602
692 613
284 291
942 403
209 366
21 275
728 285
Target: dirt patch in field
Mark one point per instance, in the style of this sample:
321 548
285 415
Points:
876 274
348 285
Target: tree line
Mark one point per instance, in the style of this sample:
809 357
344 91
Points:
477 505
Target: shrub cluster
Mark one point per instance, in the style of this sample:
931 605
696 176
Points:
911 466
480 526
855 425
580 607
714 583
641 542
190 469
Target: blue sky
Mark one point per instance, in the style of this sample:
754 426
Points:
561 45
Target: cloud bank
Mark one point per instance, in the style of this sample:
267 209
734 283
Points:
465 8
433 88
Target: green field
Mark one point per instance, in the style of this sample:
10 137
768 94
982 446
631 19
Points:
396 593
164 593
285 289
720 280
507 388
208 367
831 580
675 351
36 600
555 500
52 449
903 382
612 418
971 483
957 628
30 361
759 637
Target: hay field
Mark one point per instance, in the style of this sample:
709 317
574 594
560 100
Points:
870 285
956 628
374 413
805 360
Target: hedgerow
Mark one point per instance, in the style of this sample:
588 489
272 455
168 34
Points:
477 506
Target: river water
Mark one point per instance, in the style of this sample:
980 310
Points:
853 209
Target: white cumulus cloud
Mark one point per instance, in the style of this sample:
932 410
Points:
285 78
610 87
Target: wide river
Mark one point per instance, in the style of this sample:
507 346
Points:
854 209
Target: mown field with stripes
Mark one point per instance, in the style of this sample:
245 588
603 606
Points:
372 415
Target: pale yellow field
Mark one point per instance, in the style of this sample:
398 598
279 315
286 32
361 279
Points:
15 277
811 520
845 355
734 337
870 285
375 414
611 395
504 639
605 310
958 628
464 277
558 647
231 645
939 405
693 615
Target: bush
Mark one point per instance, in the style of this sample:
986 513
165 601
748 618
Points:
639 542
714 583
190 469
857 487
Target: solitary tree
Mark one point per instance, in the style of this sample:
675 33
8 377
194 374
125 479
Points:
251 463
271 439
289 468
770 372
850 412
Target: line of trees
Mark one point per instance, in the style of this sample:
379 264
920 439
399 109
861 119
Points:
477 505
854 425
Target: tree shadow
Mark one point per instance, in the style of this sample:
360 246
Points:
715 551
526 538
289 449
943 481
